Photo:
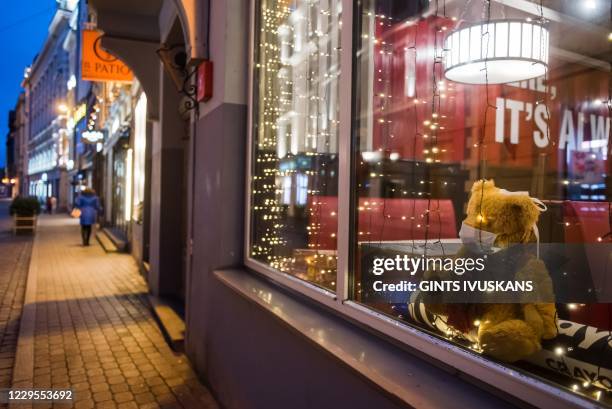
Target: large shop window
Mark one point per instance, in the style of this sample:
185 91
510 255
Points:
140 145
514 93
295 138
480 137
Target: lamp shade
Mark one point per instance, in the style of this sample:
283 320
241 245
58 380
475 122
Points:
496 52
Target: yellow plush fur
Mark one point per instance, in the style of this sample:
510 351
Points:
509 332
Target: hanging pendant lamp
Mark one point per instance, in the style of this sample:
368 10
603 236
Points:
513 50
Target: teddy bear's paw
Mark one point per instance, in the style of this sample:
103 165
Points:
509 341
534 319
548 312
535 271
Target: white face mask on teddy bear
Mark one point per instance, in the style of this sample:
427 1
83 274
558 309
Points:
480 240
484 241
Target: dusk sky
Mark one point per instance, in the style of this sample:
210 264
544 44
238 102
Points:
24 29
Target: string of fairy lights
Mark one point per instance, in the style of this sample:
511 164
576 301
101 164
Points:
265 208
429 131
297 68
294 73
431 127
432 152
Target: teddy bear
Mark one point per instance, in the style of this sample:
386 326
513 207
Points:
496 220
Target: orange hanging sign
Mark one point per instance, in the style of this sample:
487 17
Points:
99 65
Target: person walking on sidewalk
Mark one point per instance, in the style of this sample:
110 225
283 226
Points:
89 205
48 205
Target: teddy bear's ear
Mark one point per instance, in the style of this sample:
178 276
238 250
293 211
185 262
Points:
517 214
481 184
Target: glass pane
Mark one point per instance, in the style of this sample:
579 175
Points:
545 212
294 179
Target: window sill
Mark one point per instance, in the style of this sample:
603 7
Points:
398 373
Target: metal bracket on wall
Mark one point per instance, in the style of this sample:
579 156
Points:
190 90
174 60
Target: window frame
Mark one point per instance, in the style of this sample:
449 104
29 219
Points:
525 387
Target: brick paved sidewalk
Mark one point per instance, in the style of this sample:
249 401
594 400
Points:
94 331
14 261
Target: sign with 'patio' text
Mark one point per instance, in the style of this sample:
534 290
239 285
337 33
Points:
99 65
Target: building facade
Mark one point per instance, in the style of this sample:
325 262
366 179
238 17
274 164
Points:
105 134
81 103
11 148
332 134
118 153
16 148
46 98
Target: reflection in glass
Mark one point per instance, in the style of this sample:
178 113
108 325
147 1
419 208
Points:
295 137
422 141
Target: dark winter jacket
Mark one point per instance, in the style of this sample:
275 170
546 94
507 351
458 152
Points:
89 205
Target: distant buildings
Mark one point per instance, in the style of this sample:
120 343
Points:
45 85
81 123
16 148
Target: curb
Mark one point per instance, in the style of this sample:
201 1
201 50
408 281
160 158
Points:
23 367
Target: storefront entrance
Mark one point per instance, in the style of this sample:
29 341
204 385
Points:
119 187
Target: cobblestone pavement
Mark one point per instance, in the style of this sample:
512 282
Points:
14 260
95 332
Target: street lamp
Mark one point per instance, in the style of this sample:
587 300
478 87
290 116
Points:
62 108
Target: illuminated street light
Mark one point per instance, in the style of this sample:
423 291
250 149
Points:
62 108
